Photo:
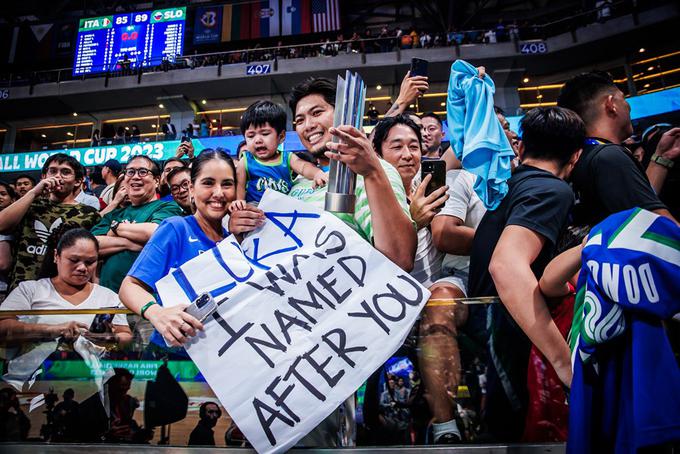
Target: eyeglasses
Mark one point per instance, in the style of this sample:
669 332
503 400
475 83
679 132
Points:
54 171
142 172
175 188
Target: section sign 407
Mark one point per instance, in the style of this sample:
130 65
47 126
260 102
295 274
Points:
257 70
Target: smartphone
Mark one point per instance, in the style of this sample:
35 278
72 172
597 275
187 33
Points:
436 168
418 67
101 324
202 307
185 139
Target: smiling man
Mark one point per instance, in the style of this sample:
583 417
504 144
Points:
123 232
381 214
179 181
32 218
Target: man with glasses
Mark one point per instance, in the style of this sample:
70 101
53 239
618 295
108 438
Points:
179 180
32 218
170 165
123 232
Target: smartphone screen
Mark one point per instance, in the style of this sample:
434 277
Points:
436 168
418 67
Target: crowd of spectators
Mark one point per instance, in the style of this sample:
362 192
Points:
152 217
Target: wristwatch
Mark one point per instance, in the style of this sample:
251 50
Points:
663 162
114 227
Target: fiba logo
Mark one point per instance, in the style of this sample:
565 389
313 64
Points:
209 19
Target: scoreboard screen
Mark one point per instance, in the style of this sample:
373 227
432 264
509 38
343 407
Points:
110 43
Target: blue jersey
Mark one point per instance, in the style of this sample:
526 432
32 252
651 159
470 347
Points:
624 391
176 241
260 176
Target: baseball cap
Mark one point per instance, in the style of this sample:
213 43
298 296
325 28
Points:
114 165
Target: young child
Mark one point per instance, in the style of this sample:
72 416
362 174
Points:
264 126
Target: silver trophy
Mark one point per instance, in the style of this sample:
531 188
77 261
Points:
350 101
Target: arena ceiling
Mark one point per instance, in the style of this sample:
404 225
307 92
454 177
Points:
439 14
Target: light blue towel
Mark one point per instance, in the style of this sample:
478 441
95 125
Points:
477 136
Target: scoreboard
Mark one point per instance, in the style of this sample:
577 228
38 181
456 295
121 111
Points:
142 39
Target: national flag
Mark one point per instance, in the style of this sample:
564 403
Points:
236 21
296 17
325 15
265 17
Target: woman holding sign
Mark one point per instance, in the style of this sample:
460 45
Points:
178 240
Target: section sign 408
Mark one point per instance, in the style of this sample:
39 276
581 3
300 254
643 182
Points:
533 47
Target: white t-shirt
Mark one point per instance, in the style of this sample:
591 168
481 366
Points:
465 204
107 193
41 294
87 199
427 266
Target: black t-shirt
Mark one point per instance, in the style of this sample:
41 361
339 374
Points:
537 200
608 179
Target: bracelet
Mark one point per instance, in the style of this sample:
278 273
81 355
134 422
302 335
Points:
145 308
664 162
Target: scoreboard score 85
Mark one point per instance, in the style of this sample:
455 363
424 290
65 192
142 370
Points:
109 43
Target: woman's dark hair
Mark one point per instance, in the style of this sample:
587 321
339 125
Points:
382 129
10 191
206 155
64 236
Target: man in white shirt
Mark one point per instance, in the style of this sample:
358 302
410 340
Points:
453 229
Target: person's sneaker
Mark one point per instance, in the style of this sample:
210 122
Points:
448 438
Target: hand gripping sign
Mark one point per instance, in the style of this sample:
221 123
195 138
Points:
308 310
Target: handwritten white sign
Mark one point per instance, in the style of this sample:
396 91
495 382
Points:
308 311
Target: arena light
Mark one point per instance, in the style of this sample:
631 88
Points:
203 101
412 106
75 114
70 134
214 120
378 87
127 128
44 136
646 86
525 80
642 49
651 68
160 106
442 104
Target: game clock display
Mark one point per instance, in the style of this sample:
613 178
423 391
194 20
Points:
112 43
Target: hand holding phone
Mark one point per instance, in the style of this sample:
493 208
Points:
202 307
436 168
418 67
